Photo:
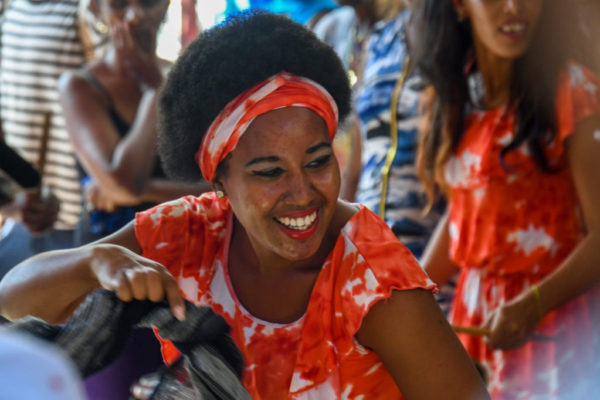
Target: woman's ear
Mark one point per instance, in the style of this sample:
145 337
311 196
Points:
218 188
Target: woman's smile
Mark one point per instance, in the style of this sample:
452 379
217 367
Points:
299 225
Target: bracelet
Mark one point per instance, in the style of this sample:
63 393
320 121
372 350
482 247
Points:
538 301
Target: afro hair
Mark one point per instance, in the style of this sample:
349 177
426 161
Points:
227 60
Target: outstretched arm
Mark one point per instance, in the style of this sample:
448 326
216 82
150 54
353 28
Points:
51 285
413 339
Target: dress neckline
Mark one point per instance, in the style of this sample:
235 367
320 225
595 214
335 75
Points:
231 291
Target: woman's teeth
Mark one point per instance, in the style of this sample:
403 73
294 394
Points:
298 223
513 28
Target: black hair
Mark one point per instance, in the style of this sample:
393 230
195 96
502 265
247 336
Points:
225 61
445 47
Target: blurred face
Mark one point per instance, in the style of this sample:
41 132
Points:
502 27
282 181
141 17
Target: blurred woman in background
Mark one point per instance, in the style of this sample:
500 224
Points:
110 112
512 135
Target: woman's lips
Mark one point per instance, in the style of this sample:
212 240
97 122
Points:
299 225
515 29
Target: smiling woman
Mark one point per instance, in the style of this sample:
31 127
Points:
321 298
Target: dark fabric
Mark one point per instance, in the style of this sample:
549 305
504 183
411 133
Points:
100 328
17 168
119 122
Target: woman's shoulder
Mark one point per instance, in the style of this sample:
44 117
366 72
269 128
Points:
85 82
370 248
206 208
577 98
176 223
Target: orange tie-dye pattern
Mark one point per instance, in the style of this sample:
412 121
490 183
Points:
509 227
316 356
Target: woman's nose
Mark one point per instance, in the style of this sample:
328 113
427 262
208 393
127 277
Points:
299 188
512 6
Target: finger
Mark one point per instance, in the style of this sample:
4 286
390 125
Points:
141 392
116 38
91 195
174 297
137 282
127 36
122 288
110 206
156 291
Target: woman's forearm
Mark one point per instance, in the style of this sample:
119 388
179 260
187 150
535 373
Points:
134 157
161 190
577 274
49 285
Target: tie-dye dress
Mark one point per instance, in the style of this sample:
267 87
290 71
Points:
317 356
511 227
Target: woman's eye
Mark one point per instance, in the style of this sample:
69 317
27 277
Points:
149 3
269 173
319 162
118 4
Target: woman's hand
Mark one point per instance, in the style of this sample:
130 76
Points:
40 210
132 276
142 65
98 199
512 324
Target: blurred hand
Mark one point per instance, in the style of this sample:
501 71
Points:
512 324
98 199
40 210
132 276
142 65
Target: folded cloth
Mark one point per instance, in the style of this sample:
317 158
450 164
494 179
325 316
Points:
99 329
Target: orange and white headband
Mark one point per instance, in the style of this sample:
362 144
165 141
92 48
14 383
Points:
279 91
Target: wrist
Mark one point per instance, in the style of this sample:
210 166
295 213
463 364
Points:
93 260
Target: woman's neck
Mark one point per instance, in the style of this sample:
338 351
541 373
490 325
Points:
496 73
372 11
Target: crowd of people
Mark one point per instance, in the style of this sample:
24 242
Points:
443 245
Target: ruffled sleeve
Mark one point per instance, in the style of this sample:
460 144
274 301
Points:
180 234
366 265
578 98
373 264
184 235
